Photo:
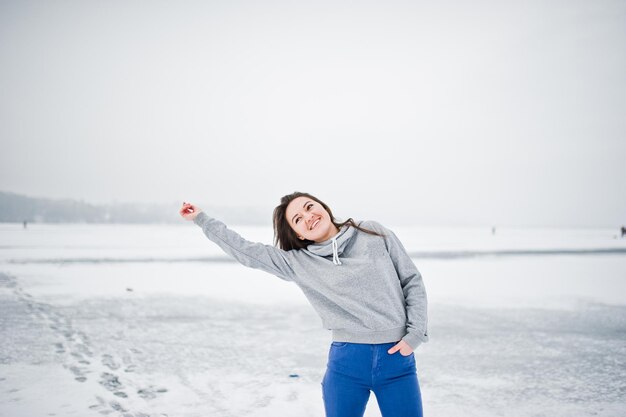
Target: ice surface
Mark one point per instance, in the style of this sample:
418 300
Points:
135 320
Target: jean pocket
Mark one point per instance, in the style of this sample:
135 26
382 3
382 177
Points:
339 344
409 359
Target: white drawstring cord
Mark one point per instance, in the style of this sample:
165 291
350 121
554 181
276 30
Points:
336 260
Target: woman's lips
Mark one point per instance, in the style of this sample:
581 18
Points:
314 224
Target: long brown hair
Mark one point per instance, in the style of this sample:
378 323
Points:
285 237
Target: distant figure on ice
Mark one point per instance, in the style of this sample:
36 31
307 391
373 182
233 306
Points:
25 223
364 286
493 230
623 231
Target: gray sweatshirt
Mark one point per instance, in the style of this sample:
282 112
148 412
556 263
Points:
365 288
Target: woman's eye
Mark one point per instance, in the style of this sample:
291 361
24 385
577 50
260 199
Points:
297 220
309 206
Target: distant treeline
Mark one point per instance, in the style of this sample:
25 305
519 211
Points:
20 208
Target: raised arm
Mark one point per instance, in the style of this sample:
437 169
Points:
252 254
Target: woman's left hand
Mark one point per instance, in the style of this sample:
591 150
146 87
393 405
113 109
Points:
403 347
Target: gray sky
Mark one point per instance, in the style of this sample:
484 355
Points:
448 112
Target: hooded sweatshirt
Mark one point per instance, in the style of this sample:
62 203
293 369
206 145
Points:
365 288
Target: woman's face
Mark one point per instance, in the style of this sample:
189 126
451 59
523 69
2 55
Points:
310 220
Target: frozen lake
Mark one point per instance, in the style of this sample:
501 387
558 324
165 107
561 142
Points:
138 320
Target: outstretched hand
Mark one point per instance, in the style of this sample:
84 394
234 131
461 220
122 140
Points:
189 211
403 347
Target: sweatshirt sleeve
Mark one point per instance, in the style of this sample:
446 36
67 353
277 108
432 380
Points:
413 289
252 254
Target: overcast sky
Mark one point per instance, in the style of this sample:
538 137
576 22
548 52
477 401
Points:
446 112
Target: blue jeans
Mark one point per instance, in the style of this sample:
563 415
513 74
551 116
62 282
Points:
356 368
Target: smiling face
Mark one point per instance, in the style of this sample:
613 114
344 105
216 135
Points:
310 220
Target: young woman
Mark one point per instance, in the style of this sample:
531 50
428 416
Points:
363 285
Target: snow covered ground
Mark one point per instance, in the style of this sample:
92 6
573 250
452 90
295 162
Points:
155 321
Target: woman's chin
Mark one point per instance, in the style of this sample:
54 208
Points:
319 237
